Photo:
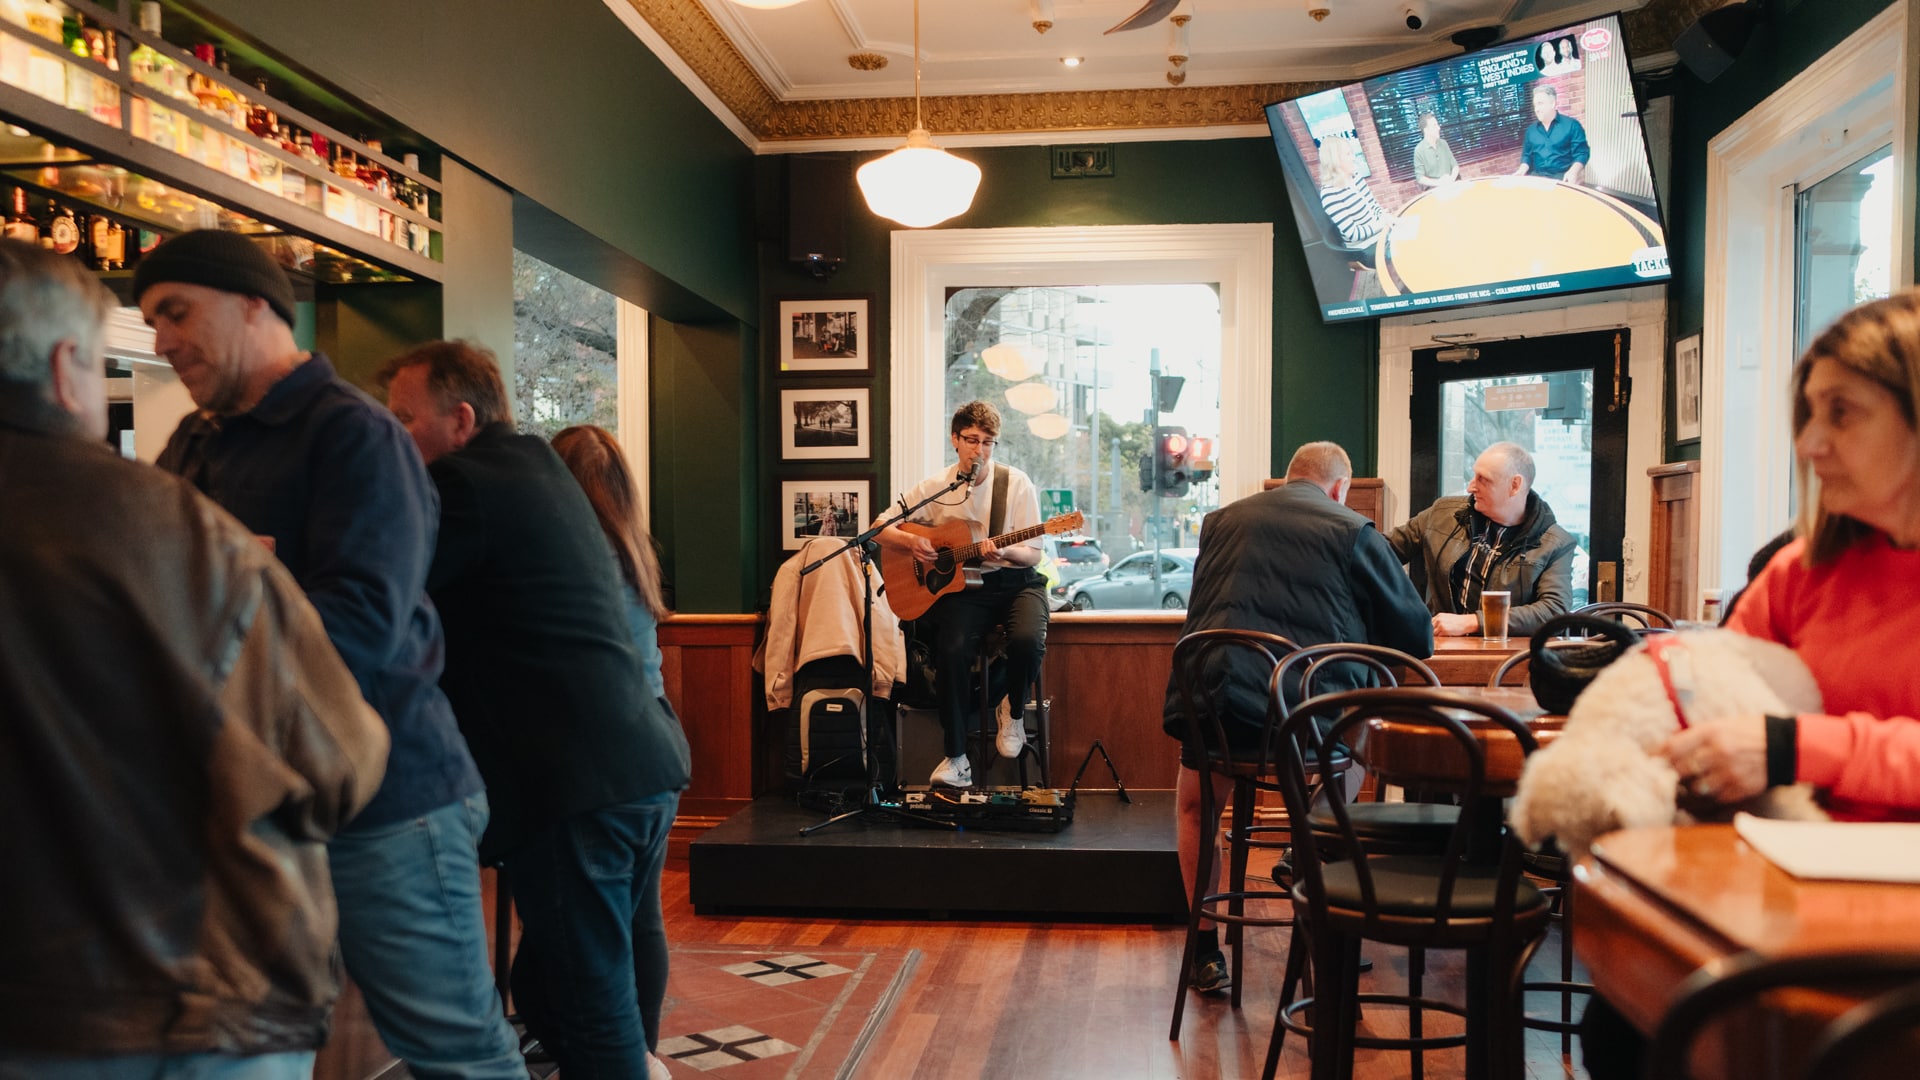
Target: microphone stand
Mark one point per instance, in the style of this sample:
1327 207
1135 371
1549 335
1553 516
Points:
872 803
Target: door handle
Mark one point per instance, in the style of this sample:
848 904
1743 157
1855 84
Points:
1606 582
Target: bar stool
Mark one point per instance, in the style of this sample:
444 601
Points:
1409 828
982 739
1201 663
1470 896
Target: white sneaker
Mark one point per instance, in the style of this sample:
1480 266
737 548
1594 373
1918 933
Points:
955 772
1013 733
657 1069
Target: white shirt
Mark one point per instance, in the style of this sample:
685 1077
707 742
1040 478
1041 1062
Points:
974 505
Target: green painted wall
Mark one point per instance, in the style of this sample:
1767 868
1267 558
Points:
557 101
1779 50
706 478
1324 377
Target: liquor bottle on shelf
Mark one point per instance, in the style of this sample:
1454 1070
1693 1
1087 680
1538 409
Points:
99 241
62 231
116 247
373 174
20 224
262 120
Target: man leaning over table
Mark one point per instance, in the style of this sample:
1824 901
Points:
1296 562
1501 535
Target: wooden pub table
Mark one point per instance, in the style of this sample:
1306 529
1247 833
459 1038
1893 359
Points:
1657 904
1471 660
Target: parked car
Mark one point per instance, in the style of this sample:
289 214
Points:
1129 583
1069 559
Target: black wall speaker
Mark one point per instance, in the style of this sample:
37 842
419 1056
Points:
1716 39
818 187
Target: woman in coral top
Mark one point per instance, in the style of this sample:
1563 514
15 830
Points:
1841 595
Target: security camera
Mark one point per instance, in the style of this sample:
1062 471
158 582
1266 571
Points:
1416 13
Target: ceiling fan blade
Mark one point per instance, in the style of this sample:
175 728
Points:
1151 12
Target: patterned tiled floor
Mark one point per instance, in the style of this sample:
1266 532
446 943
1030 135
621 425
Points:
750 1014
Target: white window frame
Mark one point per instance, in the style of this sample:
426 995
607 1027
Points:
1827 116
634 393
1236 257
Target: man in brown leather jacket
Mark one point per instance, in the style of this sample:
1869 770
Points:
178 740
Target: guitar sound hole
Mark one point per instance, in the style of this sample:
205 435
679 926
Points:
944 562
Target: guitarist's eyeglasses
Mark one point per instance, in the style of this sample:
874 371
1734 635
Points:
977 443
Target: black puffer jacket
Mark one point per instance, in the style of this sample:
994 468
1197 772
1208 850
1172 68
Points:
1536 566
178 740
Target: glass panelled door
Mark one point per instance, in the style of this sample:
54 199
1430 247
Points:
1565 400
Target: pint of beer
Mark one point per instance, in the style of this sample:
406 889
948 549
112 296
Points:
1493 615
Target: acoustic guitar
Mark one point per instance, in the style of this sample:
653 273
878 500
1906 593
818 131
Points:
914 584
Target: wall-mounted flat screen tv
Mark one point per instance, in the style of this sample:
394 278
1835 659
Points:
1516 171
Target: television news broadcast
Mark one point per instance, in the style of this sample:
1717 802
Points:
1513 172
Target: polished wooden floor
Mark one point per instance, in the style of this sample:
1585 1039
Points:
1078 1001
1053 1001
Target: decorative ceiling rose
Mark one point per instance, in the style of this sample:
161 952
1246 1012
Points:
866 61
919 184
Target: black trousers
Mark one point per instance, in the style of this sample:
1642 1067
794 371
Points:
1014 596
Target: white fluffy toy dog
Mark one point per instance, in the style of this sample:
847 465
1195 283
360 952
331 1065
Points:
1605 771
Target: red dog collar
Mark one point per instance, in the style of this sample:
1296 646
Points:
1669 656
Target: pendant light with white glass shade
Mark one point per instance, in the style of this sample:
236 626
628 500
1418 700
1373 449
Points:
1033 398
1049 425
1007 361
919 184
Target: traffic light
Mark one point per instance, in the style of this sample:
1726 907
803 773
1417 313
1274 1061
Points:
1200 459
1170 447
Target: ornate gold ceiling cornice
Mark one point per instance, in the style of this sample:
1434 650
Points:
693 35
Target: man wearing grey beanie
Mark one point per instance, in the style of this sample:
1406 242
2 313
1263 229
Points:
329 480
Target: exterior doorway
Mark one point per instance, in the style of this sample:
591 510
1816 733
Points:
1564 398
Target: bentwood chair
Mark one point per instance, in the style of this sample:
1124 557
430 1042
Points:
1649 618
1845 1047
1406 827
1469 895
1202 663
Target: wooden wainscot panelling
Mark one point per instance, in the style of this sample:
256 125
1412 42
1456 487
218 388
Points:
1366 496
707 662
1673 578
1106 674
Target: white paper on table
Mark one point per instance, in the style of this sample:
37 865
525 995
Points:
1836 850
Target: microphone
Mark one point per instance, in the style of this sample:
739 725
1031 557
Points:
972 471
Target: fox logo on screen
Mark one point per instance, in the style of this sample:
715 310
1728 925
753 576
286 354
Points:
1650 262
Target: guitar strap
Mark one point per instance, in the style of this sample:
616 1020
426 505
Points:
997 509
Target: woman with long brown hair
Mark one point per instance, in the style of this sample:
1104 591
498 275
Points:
595 460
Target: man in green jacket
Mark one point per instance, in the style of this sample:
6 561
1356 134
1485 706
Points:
1500 535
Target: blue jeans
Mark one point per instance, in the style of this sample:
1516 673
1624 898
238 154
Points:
414 939
592 968
288 1066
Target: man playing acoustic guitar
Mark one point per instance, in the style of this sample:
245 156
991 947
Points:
1011 591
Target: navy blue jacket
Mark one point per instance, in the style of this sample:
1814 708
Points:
541 666
1293 562
333 478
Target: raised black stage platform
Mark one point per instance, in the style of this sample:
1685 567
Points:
1115 861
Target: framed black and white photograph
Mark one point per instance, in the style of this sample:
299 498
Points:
833 508
825 424
1686 389
824 335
